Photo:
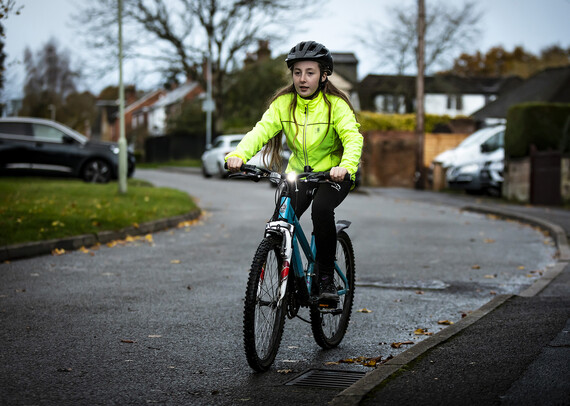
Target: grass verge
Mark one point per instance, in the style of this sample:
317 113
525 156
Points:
195 163
35 209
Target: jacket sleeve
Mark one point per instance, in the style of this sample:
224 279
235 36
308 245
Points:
347 127
264 130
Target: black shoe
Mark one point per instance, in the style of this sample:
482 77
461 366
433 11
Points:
328 295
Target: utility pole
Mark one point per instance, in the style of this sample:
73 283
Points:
420 110
122 139
209 105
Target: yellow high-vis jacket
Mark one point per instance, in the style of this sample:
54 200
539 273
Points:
309 141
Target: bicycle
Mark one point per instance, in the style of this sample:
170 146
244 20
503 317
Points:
271 294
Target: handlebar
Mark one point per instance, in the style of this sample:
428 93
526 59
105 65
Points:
256 173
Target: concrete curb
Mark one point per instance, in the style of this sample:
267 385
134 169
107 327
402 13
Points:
32 249
354 394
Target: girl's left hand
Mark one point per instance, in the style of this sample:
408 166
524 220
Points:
338 173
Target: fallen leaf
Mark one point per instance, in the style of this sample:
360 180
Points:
419 292
364 310
492 292
421 331
128 341
332 363
490 276
175 261
475 267
58 251
399 344
148 237
445 322
521 267
284 371
154 336
488 241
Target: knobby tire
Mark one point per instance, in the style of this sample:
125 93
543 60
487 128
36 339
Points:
329 329
263 318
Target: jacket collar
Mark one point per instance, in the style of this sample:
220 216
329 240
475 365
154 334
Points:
302 103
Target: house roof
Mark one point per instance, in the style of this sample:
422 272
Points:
176 95
344 57
550 85
446 84
140 102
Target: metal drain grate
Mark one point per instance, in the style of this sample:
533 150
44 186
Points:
326 378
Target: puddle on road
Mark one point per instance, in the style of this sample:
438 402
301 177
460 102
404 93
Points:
423 285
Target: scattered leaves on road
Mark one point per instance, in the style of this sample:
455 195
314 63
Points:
445 322
364 310
422 332
58 251
399 344
364 361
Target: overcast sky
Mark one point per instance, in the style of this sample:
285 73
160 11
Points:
533 24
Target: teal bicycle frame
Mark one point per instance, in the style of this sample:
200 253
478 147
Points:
287 224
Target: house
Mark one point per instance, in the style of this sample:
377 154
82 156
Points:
444 94
170 104
136 114
550 85
344 76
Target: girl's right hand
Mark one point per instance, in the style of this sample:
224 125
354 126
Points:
234 163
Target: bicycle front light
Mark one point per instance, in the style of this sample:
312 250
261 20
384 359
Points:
291 176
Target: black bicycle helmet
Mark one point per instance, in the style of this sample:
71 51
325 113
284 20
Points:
310 51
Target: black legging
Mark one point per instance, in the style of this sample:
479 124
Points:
325 199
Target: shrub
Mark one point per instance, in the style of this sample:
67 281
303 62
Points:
540 124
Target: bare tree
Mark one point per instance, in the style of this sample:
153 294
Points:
175 36
449 30
49 80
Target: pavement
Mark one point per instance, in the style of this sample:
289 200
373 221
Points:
515 350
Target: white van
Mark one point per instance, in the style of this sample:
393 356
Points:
481 151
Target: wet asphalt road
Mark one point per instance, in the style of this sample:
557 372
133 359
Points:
160 321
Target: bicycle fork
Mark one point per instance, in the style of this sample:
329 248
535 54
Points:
285 230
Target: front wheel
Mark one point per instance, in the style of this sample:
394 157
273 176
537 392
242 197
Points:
97 171
329 328
264 315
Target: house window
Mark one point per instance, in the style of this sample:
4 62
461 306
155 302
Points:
389 103
455 102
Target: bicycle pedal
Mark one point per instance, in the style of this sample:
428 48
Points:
334 312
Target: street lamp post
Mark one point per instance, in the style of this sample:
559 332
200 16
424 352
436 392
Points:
122 139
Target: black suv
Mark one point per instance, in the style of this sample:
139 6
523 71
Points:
35 145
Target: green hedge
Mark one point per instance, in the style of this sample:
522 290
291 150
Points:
399 122
539 124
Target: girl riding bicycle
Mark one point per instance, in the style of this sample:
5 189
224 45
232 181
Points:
321 131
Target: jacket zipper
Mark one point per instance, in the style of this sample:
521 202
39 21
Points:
305 154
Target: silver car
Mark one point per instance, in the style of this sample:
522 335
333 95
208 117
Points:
214 158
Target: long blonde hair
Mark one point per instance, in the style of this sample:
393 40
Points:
273 149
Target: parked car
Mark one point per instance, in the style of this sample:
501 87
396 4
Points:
462 165
469 150
482 171
39 146
213 159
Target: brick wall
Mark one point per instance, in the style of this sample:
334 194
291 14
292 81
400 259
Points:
389 157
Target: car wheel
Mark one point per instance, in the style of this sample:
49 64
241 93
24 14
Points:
97 171
205 172
222 172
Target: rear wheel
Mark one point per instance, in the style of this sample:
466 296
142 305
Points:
329 328
264 315
97 171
